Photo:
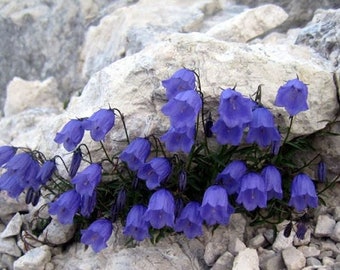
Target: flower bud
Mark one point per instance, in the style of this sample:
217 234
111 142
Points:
121 199
75 163
36 197
182 181
29 195
322 170
207 127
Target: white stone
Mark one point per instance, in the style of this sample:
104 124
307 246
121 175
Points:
257 241
9 205
13 227
224 262
293 258
309 251
235 245
281 242
34 259
9 246
246 260
324 226
305 241
57 233
336 232
249 24
23 95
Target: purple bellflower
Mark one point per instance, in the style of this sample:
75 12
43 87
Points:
97 234
227 135
182 180
155 172
66 206
136 226
136 153
179 139
215 208
234 109
190 221
322 171
161 209
253 191
87 204
87 180
46 171
230 177
100 123
183 109
75 162
303 193
273 182
6 153
181 80
293 97
71 134
262 129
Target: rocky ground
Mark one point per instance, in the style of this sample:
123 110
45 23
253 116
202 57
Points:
70 59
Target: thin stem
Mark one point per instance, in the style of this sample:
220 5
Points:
124 125
88 151
57 156
105 152
289 129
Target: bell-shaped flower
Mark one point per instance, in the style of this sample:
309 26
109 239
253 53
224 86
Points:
181 80
273 182
179 139
97 234
183 109
71 134
87 180
253 191
262 129
155 172
136 226
66 206
227 135
230 177
6 153
234 109
215 208
9 181
161 209
46 171
293 97
87 204
190 221
32 196
182 180
100 123
322 171
75 162
136 153
303 193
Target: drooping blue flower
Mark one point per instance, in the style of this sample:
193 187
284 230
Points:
183 109
262 129
155 172
87 204
87 180
75 162
71 134
46 171
293 97
182 180
230 177
253 191
215 208
97 234
6 153
9 181
181 80
100 123
136 153
234 109
303 193
32 196
273 182
301 230
161 209
190 221
66 206
136 226
227 135
179 139
322 171
121 199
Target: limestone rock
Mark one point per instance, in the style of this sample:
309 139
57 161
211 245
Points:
324 226
249 24
273 262
34 259
13 227
235 245
8 246
246 260
293 258
224 262
11 206
57 233
309 251
336 232
23 95
281 242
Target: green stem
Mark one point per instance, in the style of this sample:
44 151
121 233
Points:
289 129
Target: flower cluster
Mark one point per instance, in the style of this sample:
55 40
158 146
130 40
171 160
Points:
182 186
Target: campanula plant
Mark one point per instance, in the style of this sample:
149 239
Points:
209 164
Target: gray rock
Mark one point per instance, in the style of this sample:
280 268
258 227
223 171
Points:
305 241
6 261
309 251
281 242
327 261
273 262
257 241
235 245
9 246
10 206
34 259
336 213
293 258
57 233
324 226
246 260
314 262
336 232
13 227
269 235
225 261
